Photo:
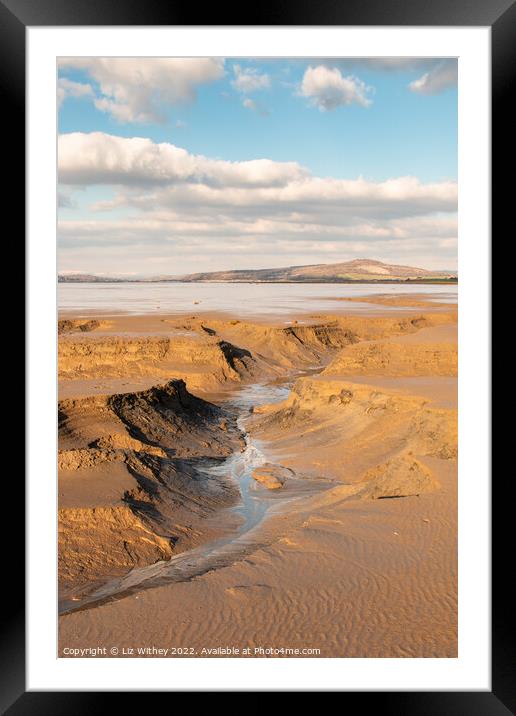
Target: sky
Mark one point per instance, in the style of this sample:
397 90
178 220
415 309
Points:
179 165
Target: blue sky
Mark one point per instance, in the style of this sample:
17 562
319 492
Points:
361 159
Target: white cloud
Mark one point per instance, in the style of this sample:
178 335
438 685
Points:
168 245
436 73
98 158
210 213
440 77
137 89
68 88
154 175
327 89
249 80
405 196
167 225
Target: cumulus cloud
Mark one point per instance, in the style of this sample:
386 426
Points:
436 74
163 175
177 205
249 79
137 89
440 77
99 158
405 196
327 88
69 88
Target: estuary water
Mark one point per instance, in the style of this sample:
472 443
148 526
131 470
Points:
243 299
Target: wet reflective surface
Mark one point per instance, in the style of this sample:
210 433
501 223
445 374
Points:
238 299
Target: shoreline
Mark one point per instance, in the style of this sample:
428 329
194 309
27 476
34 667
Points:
375 305
406 282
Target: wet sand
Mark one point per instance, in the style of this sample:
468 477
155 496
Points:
345 542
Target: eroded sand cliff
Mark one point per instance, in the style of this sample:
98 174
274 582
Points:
364 565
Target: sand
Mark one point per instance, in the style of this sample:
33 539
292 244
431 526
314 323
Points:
352 550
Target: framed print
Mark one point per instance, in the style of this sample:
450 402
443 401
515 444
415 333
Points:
259 291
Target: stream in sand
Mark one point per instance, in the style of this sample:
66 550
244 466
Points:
255 502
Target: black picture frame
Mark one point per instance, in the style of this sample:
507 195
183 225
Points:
500 15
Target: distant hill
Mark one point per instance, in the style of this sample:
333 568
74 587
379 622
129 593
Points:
362 270
359 270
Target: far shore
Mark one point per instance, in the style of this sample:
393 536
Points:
438 282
